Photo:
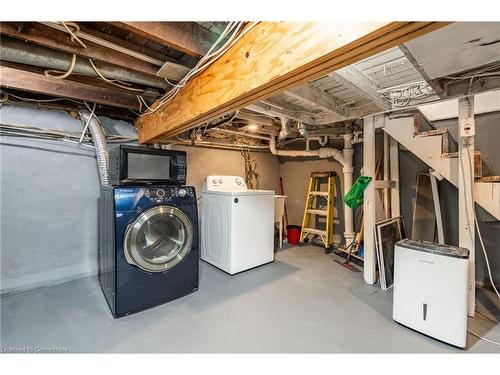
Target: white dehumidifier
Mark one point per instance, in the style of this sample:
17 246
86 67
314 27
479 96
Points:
430 289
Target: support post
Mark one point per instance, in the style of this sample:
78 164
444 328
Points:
387 205
369 198
466 230
394 168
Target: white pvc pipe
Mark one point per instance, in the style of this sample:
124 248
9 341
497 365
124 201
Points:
345 158
348 172
323 153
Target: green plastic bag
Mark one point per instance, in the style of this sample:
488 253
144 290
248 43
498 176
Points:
354 197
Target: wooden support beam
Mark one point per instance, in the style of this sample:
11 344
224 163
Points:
369 215
34 82
320 98
270 58
394 172
48 37
358 82
432 83
187 37
466 225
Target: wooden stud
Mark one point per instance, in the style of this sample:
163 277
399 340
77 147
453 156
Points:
369 216
34 82
394 169
270 58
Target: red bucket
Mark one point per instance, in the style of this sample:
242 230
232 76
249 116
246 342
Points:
293 234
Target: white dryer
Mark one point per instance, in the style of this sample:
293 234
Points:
237 229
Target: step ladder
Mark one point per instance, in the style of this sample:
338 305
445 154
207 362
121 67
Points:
312 210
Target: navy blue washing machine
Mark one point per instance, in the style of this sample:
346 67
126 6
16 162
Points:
148 246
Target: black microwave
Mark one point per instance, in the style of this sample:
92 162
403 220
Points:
135 165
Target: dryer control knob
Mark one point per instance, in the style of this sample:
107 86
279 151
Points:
160 193
220 181
238 181
182 192
214 181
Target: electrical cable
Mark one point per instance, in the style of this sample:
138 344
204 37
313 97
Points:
250 167
481 238
235 28
483 338
73 36
49 72
111 81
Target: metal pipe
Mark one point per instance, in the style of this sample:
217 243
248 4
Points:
16 51
286 129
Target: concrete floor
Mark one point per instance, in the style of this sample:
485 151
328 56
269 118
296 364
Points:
303 302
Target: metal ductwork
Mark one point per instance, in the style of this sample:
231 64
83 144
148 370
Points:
302 129
16 51
286 129
101 146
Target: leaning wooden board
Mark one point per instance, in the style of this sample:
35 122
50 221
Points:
268 59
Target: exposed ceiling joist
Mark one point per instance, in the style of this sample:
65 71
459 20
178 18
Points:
34 82
319 98
464 87
270 58
273 111
255 118
174 69
47 37
351 77
187 37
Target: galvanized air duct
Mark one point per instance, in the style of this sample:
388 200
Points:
302 129
16 51
101 146
286 129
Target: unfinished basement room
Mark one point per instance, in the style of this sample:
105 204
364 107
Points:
281 186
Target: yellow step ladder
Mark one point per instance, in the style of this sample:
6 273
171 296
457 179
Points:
312 208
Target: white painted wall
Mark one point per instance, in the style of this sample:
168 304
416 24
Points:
49 197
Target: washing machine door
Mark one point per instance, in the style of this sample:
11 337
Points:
158 239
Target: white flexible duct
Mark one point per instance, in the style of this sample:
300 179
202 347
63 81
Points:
101 146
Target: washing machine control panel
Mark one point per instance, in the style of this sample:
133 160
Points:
164 194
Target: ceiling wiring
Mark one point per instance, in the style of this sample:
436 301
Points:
401 95
236 30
